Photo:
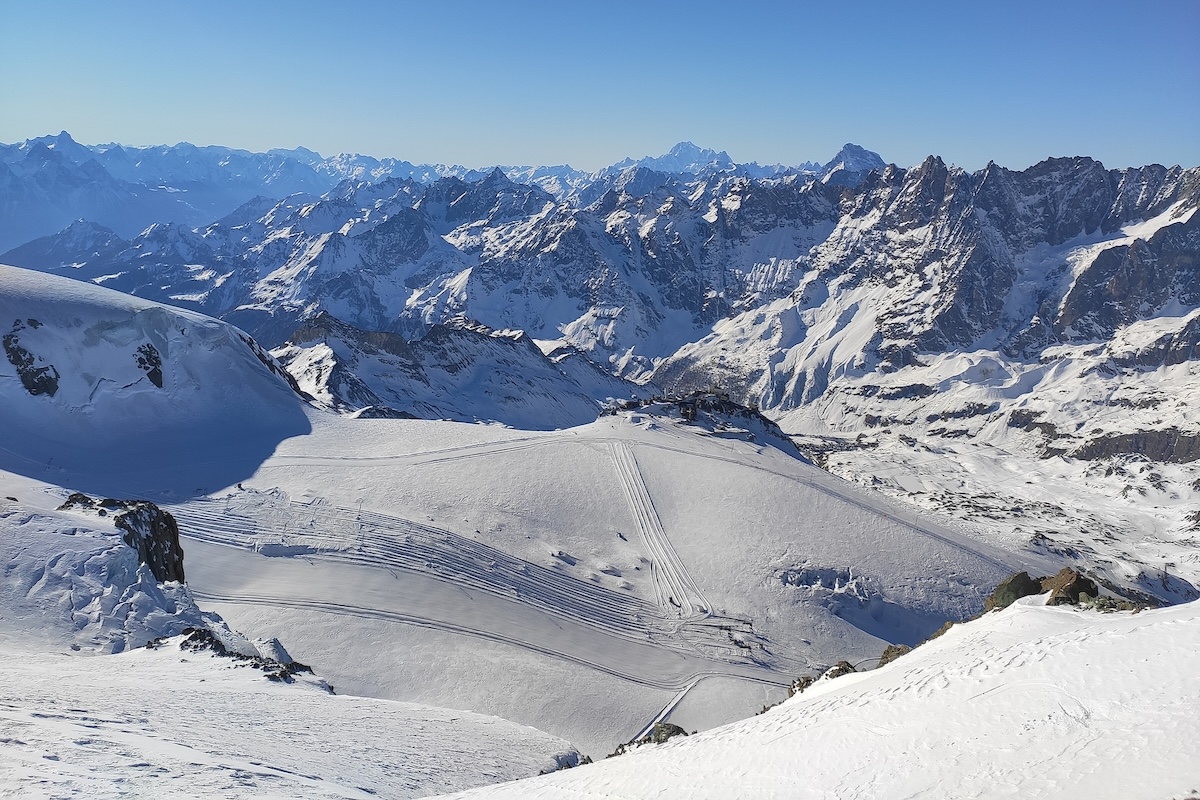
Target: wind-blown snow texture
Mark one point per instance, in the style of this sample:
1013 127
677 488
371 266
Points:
161 719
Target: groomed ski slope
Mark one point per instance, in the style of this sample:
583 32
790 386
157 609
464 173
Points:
585 582
1026 702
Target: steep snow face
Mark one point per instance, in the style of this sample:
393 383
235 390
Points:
462 372
93 376
1030 699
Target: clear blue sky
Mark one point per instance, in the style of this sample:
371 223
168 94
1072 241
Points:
588 83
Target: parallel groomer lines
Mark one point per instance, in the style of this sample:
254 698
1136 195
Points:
676 591
380 541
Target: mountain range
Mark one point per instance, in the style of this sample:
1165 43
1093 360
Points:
615 455
930 332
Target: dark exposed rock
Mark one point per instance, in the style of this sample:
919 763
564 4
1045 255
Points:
665 730
800 684
1028 421
912 392
155 535
1172 348
1124 282
659 733
147 528
1171 445
274 366
945 627
838 670
201 639
1010 590
966 412
1066 586
892 652
150 361
36 380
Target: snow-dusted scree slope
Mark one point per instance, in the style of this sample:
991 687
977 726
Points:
1020 703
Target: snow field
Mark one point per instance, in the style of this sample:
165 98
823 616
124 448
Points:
1019 703
600 551
166 722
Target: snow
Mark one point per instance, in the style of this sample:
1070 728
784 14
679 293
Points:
166 722
1020 703
574 580
424 560
219 402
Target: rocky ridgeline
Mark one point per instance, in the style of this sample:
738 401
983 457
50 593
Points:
714 410
278 665
146 528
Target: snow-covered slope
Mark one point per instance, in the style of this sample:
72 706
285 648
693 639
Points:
167 722
169 715
1023 702
1012 348
94 377
580 581
584 581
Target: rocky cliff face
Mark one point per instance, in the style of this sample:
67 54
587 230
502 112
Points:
146 528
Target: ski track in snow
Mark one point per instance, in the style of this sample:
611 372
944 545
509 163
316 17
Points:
816 479
384 543
833 485
412 459
674 587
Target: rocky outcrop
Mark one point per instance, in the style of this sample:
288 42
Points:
147 529
1066 587
36 379
892 652
1171 445
1010 590
282 669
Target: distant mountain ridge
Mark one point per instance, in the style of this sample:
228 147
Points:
49 181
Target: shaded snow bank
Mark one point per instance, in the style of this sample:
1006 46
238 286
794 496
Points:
168 401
